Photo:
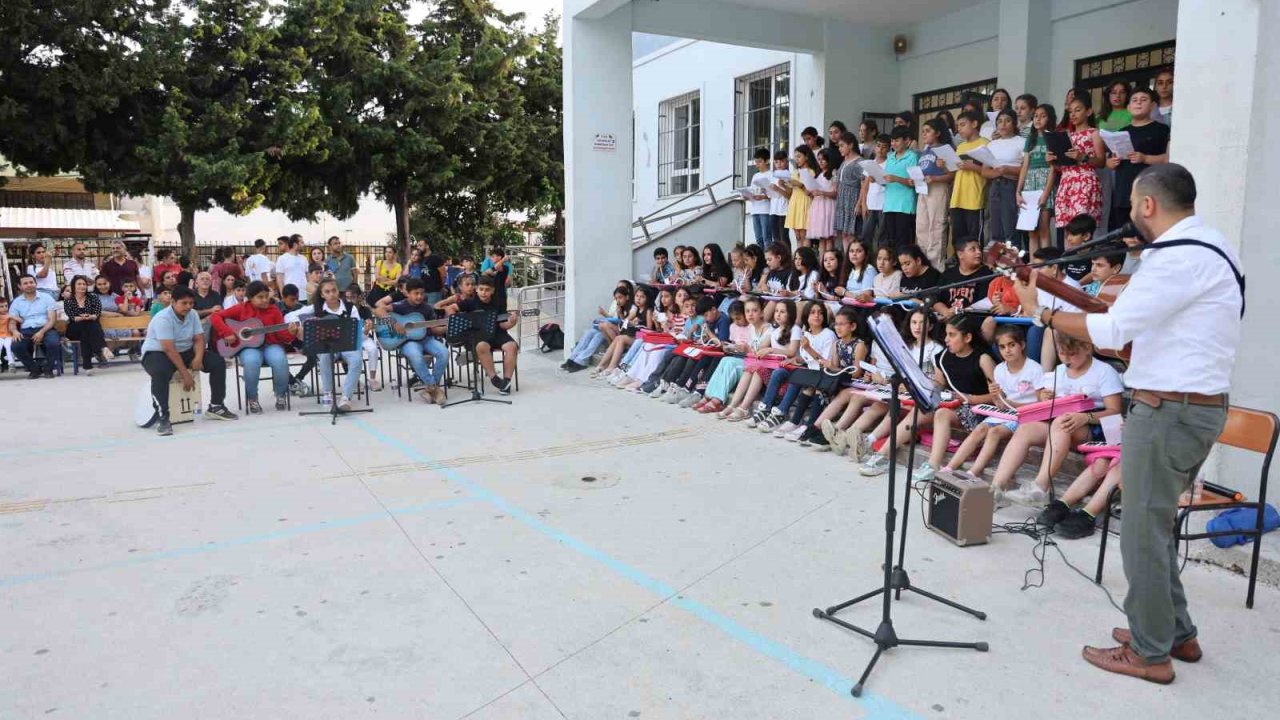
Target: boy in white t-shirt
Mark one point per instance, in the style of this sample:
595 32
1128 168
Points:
258 266
1016 381
871 204
777 201
760 208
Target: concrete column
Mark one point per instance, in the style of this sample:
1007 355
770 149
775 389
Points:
598 155
1023 58
858 72
1224 122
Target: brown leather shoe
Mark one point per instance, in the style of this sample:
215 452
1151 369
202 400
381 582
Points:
1188 651
1124 661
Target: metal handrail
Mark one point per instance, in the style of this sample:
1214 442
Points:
704 189
558 297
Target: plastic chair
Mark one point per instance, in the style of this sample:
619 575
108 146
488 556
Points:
1246 429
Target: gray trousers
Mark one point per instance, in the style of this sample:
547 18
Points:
1164 448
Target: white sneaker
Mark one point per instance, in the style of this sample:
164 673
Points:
783 429
874 465
374 383
757 416
796 433
772 419
1001 496
835 437
345 403
677 396
924 473
660 390
691 399
1030 495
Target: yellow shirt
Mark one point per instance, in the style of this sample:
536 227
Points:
968 190
387 274
4 325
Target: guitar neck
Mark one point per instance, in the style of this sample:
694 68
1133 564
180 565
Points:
1059 289
264 330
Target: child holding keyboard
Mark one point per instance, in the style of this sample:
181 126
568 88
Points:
1016 382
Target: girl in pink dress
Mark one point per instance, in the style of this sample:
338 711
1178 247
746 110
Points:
1079 192
822 210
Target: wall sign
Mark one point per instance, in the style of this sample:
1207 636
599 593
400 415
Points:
604 142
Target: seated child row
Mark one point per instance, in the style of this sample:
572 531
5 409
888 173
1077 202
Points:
792 377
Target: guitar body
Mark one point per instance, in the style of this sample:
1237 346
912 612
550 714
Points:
1009 260
246 340
389 339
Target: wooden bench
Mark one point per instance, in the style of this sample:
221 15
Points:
136 322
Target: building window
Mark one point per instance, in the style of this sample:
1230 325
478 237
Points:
883 121
927 105
53 200
680 145
762 117
1136 66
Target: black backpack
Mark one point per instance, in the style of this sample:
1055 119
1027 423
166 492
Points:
550 338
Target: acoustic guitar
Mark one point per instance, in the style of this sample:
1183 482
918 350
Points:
1008 261
415 326
249 333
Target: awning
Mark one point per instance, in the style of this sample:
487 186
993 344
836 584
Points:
54 220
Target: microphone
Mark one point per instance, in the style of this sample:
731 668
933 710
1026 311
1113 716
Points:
1124 231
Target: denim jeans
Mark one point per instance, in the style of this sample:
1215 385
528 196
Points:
24 349
763 226
252 359
413 352
351 382
587 345
776 379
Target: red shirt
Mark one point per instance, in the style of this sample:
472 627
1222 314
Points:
245 310
160 270
221 270
119 273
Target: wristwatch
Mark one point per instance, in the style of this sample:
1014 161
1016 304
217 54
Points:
1036 316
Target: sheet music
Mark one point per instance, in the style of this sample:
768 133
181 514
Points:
1119 143
1029 213
873 170
922 388
947 155
749 193
809 180
917 177
983 155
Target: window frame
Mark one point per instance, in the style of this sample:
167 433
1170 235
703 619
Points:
779 110
680 145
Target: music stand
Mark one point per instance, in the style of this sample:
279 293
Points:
906 374
331 335
466 330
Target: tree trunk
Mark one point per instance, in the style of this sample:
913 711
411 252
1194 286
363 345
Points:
400 204
559 227
187 231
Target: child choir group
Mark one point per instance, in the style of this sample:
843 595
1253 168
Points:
778 340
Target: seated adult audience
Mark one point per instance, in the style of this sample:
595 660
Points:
176 343
31 318
84 325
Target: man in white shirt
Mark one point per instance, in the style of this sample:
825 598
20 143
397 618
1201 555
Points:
291 268
258 266
79 265
1182 313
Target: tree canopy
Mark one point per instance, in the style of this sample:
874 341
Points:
298 105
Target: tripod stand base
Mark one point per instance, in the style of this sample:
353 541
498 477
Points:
336 413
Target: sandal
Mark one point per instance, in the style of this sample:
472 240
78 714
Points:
714 406
738 415
724 413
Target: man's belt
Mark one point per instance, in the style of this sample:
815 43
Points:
1155 398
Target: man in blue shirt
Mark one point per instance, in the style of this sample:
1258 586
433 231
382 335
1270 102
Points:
341 264
31 318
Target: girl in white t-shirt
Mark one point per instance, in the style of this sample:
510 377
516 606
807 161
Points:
781 342
1017 380
1080 374
815 344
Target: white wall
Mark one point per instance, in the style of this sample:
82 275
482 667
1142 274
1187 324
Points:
964 46
711 69
1082 28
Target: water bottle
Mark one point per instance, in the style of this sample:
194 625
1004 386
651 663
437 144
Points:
199 411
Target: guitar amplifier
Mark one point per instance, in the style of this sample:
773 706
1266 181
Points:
960 509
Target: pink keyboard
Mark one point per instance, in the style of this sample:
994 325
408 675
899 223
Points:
1039 411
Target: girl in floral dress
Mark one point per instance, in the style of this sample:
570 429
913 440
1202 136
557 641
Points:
1079 192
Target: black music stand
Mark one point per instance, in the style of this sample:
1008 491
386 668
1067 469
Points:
466 330
906 374
332 335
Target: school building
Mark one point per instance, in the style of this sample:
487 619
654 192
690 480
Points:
684 111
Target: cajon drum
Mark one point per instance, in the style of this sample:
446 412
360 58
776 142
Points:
183 404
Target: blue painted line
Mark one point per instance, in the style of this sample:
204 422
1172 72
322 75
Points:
146 436
877 706
218 545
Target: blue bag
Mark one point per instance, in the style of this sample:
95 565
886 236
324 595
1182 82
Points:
1241 519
